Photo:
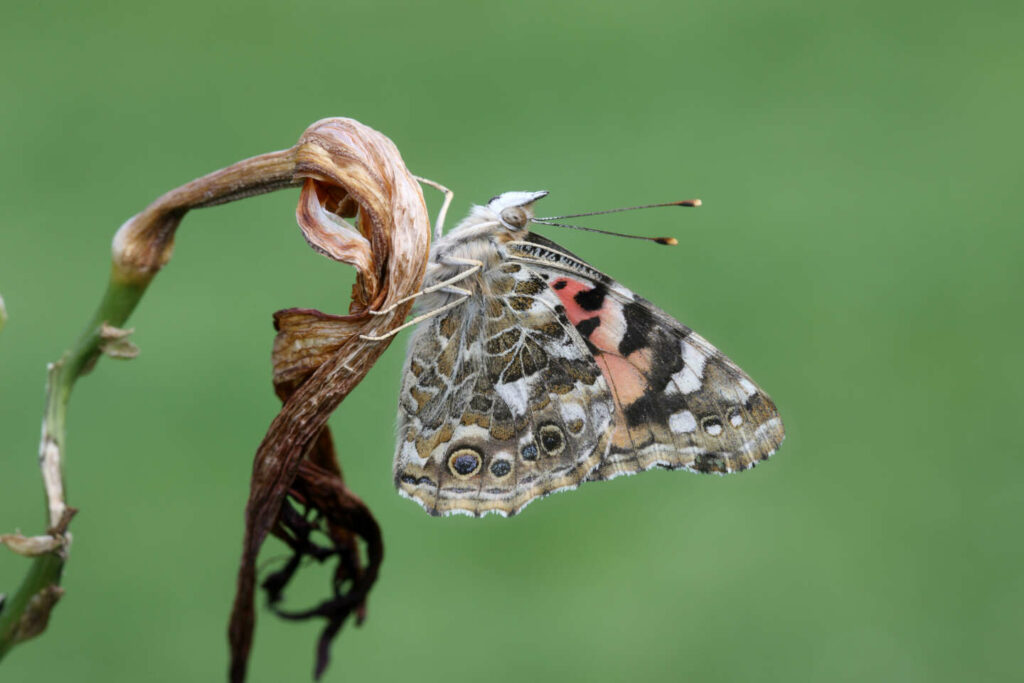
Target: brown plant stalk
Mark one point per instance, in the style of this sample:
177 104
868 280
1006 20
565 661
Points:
346 170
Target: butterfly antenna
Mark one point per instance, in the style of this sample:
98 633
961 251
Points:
670 241
684 202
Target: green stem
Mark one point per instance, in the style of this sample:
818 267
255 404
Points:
20 616
141 247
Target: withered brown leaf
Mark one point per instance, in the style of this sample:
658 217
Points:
349 171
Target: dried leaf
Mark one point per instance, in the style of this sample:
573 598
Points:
31 546
37 614
351 171
115 343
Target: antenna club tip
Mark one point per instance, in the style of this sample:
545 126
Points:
697 202
670 241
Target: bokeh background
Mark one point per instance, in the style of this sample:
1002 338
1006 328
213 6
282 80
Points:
859 253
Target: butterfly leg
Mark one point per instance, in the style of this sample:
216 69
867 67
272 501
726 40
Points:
448 194
419 318
474 266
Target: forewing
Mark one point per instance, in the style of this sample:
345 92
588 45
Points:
501 402
679 401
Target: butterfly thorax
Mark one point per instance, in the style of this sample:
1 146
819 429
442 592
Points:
479 238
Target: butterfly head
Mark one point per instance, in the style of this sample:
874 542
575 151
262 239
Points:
514 210
505 217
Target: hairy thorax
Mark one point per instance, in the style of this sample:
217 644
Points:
455 253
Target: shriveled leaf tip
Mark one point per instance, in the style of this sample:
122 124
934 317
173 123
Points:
115 343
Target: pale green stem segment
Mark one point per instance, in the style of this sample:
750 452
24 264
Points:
140 249
24 614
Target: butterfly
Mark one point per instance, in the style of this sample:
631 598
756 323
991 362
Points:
531 372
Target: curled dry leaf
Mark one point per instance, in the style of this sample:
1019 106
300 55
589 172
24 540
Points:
30 546
359 205
37 616
115 342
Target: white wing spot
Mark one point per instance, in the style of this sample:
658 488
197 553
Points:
714 428
572 411
682 422
748 386
690 378
409 454
736 419
514 395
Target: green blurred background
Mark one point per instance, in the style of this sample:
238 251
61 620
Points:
859 253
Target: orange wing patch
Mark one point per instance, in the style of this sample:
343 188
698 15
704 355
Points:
600 321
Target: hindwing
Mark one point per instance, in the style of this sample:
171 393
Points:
501 402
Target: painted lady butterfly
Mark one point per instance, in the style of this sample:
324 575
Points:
531 372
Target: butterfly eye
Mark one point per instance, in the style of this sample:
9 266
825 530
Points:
514 216
464 462
551 439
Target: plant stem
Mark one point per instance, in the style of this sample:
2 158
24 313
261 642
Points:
25 613
141 247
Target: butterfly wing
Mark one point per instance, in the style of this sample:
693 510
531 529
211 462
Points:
679 402
501 403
